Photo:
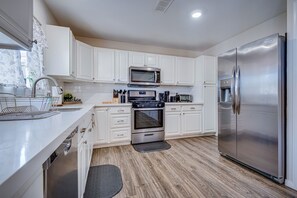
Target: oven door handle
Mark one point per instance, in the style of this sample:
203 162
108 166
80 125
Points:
147 109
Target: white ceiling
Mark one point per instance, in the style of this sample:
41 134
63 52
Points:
136 21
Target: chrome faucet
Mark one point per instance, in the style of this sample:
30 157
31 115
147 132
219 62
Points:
47 78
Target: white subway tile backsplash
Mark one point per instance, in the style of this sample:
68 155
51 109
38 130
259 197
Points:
99 92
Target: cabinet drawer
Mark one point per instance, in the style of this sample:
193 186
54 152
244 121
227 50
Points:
120 134
115 110
192 108
117 121
172 108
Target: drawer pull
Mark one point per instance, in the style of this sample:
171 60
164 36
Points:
83 130
193 108
121 110
173 108
120 135
120 121
150 134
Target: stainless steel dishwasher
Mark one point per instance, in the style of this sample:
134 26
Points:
60 170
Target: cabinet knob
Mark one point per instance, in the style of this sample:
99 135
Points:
83 130
85 142
119 80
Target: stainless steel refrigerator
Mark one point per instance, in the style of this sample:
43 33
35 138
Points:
252 106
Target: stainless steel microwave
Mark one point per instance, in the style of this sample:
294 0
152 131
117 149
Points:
144 76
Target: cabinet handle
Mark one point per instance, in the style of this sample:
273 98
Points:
121 110
83 130
119 80
90 130
85 142
173 108
193 108
120 135
114 79
119 121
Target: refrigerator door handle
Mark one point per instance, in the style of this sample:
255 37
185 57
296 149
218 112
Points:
237 90
233 89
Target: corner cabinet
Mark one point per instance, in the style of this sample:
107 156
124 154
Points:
16 24
84 61
185 68
60 57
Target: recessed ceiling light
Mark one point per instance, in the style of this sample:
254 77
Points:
196 14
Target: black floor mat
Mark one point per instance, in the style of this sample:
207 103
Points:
104 181
152 146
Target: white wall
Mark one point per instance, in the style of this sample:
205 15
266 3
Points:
137 47
42 13
291 180
277 24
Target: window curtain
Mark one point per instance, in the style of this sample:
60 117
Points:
10 68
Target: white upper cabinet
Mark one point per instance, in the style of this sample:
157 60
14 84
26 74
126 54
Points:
122 66
206 70
16 18
185 68
59 54
136 59
151 60
167 66
104 65
84 61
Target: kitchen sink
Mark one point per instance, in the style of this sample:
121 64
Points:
28 115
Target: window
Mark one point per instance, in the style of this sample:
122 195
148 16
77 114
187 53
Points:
22 68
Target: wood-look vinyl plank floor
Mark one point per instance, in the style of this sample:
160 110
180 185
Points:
192 167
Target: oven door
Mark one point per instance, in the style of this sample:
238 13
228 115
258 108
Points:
147 120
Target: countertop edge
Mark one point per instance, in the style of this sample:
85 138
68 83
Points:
24 173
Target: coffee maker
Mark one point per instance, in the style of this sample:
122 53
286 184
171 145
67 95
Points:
164 97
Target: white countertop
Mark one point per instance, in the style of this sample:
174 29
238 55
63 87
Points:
25 145
183 103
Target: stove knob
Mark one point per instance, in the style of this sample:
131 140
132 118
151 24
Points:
138 105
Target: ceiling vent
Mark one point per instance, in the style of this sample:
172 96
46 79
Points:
163 5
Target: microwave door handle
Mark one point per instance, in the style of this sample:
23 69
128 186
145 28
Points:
155 77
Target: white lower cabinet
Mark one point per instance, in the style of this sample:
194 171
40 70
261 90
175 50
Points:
84 151
183 120
113 125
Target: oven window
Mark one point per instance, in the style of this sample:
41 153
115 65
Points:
148 119
142 76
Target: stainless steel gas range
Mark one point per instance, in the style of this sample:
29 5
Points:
147 116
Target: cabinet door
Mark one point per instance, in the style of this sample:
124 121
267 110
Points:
192 122
122 66
185 71
151 60
84 61
167 66
210 109
136 59
120 135
58 56
81 168
104 65
210 70
16 18
172 124
102 125
199 70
